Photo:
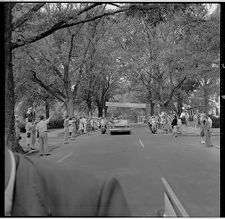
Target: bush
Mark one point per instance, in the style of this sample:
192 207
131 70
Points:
22 127
215 121
56 124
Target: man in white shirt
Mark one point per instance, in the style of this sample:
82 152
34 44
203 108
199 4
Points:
43 135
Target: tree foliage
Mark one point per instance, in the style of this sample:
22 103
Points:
84 54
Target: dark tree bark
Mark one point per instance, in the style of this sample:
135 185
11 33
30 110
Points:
206 99
100 111
10 136
46 109
179 104
152 107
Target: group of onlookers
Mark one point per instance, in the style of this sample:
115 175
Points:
81 125
165 122
174 125
36 131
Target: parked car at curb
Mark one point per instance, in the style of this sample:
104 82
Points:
120 126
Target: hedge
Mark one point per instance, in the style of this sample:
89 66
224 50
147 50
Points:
56 124
22 127
215 121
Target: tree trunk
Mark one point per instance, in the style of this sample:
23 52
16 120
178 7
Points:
152 107
89 108
46 109
179 105
10 136
105 110
206 99
100 111
70 107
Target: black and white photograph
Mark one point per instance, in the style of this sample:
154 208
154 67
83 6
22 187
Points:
112 109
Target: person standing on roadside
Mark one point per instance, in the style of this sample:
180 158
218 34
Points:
33 134
81 125
211 130
70 127
43 135
179 125
66 130
207 131
174 126
85 124
28 133
92 123
88 126
202 116
74 128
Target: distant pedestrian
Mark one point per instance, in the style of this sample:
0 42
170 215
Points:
202 133
150 123
211 130
89 127
207 131
92 123
33 135
164 125
179 126
66 130
99 122
70 127
85 124
154 124
74 128
183 118
28 133
81 125
198 120
174 126
187 118
41 128
195 119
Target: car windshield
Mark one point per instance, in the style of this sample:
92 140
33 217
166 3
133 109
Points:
121 122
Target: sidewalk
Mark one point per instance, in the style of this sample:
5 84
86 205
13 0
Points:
189 130
194 131
55 139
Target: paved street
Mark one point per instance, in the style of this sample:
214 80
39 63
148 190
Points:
140 160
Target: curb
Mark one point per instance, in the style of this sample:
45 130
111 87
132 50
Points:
51 148
194 134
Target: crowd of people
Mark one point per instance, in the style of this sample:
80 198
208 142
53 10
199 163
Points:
81 125
173 124
36 130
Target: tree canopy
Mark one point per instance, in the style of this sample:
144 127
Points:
84 54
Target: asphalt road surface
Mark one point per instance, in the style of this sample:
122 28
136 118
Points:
140 160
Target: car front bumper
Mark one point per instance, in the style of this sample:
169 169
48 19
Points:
119 130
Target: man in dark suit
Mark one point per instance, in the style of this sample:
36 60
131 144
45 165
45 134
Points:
34 188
